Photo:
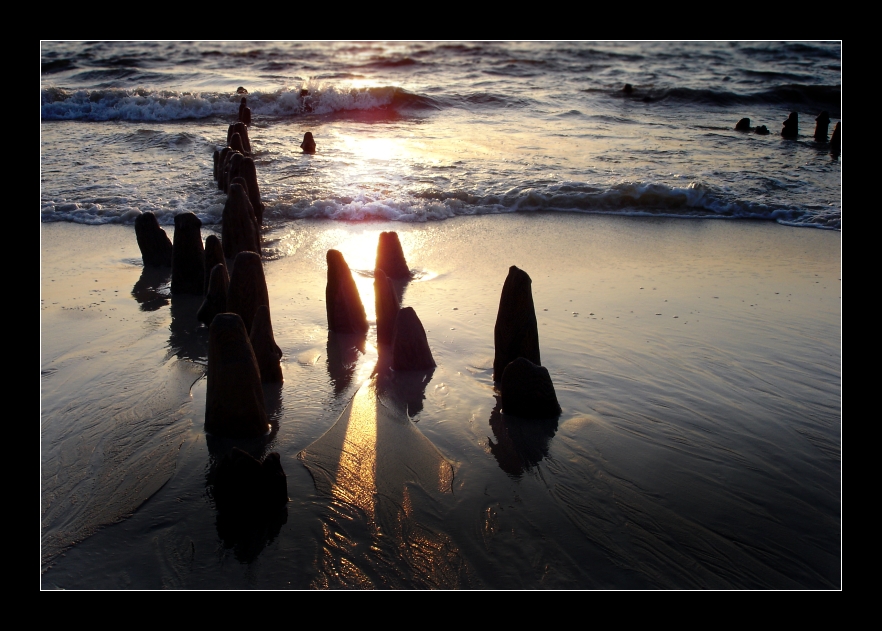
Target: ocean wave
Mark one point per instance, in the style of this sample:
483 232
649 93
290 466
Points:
594 54
56 65
323 100
107 75
152 138
693 201
131 105
489 99
636 199
142 104
797 52
783 76
322 97
391 62
123 211
827 97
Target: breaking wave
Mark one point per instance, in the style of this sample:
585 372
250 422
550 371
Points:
141 104
635 199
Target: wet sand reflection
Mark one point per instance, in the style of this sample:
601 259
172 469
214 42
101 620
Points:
385 482
152 288
343 352
245 530
521 444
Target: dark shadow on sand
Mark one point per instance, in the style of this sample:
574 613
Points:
520 443
152 289
344 351
405 388
244 531
189 337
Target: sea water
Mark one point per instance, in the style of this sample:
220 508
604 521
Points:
430 131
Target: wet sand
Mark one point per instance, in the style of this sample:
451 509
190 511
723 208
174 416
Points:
698 365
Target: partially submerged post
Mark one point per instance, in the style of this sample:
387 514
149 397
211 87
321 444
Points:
835 141
386 306
822 123
242 130
247 287
516 333
216 298
234 404
248 172
188 256
390 256
237 143
155 246
791 126
267 352
526 390
344 307
221 166
239 232
308 144
244 112
232 169
214 255
410 346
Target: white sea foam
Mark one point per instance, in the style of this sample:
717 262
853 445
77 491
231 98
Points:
628 199
142 104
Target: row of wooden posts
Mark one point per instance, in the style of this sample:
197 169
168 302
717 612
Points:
790 129
242 352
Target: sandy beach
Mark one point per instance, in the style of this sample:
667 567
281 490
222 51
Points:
697 363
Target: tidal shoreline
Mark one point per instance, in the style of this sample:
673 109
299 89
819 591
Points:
698 365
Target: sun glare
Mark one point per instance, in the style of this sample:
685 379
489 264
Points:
364 82
367 149
359 250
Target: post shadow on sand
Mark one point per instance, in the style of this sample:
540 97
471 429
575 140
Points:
246 522
244 478
406 388
383 476
521 443
400 287
344 351
151 291
188 338
388 293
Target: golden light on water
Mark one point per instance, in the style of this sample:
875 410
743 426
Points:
363 82
445 477
366 368
358 244
372 460
360 253
368 149
355 480
359 249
